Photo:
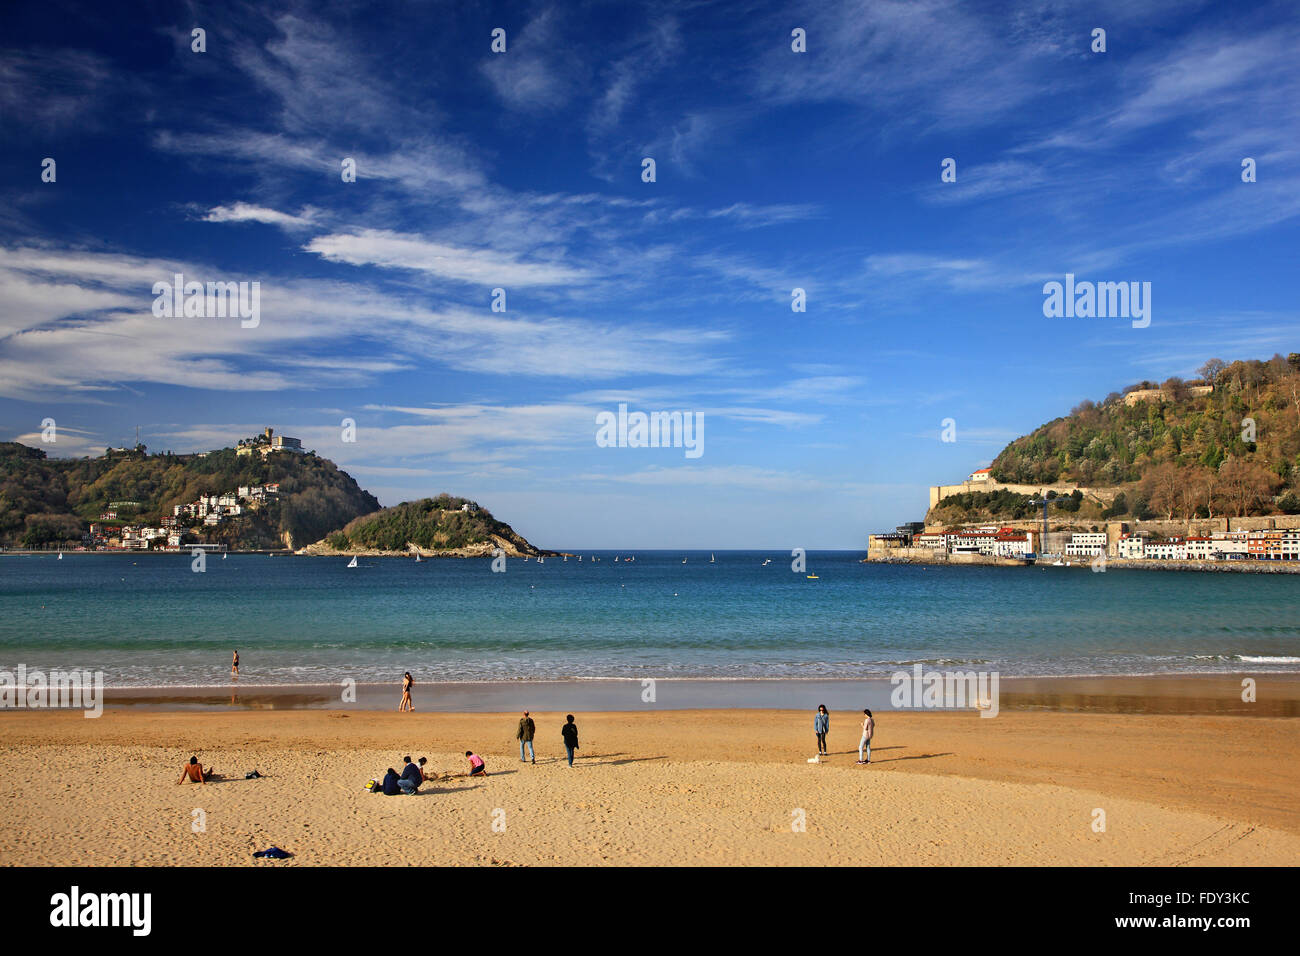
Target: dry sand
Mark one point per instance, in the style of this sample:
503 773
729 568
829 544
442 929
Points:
674 787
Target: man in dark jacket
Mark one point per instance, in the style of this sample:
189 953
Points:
525 737
570 734
411 776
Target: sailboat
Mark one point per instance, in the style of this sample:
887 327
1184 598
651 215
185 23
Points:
566 559
541 559
683 560
224 556
353 562
767 562
712 559
417 557
60 555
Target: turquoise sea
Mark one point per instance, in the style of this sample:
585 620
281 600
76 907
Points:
149 620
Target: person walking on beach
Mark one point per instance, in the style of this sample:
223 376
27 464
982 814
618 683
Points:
868 730
570 734
822 726
525 737
234 665
407 683
477 767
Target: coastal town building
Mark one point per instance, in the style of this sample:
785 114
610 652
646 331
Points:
1086 544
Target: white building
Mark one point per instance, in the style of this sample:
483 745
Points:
1132 546
1012 545
935 540
1174 549
1086 544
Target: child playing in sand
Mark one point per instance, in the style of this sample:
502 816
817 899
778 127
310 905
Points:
477 768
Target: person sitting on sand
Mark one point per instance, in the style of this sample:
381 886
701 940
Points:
194 770
477 768
426 774
411 777
391 789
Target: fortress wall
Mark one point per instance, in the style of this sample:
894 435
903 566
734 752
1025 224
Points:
939 492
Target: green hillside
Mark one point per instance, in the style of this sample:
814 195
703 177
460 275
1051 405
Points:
434 524
49 500
1173 454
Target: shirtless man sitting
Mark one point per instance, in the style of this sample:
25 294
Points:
194 770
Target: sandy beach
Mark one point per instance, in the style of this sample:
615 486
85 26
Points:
690 787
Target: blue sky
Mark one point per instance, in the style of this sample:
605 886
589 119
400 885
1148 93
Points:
522 171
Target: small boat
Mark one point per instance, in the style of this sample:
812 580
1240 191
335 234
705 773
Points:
616 559
712 559
812 577
767 562
417 557
353 562
541 560
683 560
566 559
60 555
224 556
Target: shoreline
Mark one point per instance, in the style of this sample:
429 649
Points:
1277 695
1083 564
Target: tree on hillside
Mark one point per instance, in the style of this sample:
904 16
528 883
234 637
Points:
1161 486
1246 485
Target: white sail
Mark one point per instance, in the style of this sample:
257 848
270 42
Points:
353 562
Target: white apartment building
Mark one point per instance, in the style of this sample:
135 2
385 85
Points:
1013 545
1132 546
935 540
1086 544
1174 549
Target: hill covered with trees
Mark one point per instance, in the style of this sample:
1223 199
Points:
46 501
438 524
1226 444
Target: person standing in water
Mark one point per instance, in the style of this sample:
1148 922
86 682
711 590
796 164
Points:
821 727
407 683
234 665
868 731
